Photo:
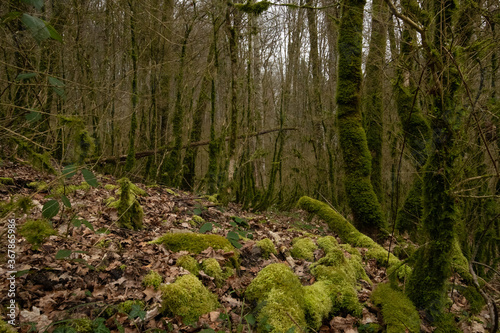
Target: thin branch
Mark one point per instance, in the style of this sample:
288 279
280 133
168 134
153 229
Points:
405 18
189 145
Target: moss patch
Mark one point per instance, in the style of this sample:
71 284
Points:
4 327
318 302
280 292
188 298
212 268
36 231
189 263
303 248
400 315
267 247
152 279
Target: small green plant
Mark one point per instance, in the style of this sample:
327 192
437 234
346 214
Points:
129 210
36 231
152 279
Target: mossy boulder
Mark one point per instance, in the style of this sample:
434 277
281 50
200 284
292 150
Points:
188 263
187 298
267 247
399 313
280 292
36 232
318 302
303 248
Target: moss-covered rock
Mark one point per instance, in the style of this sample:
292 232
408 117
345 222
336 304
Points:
281 313
303 248
187 298
152 279
267 247
318 302
188 263
280 292
400 315
36 231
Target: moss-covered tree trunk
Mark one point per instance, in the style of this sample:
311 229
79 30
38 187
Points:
415 127
427 284
364 204
373 103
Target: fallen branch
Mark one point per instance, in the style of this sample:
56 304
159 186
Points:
160 150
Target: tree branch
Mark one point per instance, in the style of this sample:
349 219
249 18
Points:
147 153
405 18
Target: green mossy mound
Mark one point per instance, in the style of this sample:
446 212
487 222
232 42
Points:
400 315
36 231
187 298
303 248
280 292
267 247
318 302
212 268
152 279
189 263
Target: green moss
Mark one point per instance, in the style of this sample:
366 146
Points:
36 231
318 303
281 313
459 263
410 215
83 325
68 189
303 248
194 243
6 181
274 276
129 210
110 187
126 307
85 145
187 298
212 268
23 204
400 315
328 243
196 220
38 186
341 275
5 327
267 247
188 263
476 301
152 279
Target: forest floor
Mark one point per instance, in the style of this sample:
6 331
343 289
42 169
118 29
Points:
109 263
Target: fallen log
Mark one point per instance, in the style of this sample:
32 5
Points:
146 153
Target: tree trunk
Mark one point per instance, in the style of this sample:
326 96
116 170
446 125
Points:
365 207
